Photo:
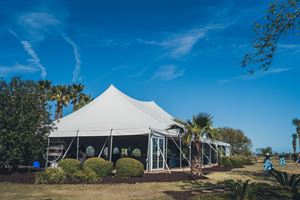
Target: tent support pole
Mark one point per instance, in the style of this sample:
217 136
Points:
148 151
103 147
47 152
180 145
166 149
202 154
210 156
178 148
190 154
111 144
77 148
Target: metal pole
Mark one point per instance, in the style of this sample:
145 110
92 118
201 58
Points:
210 156
166 150
202 154
77 152
180 158
47 152
190 154
111 143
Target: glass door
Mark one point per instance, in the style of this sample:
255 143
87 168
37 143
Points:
158 144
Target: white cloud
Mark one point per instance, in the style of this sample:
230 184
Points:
167 72
182 44
34 60
119 67
256 75
288 46
76 71
38 24
17 69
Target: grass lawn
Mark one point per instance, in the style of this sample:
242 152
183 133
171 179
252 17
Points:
169 190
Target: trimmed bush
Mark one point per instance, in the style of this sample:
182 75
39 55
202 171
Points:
69 165
227 162
129 167
99 165
86 176
51 176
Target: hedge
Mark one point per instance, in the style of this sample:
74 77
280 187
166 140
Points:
99 165
85 176
129 167
51 176
70 165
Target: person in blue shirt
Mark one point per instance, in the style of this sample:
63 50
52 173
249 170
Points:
268 166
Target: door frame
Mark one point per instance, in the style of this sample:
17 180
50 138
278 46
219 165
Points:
158 152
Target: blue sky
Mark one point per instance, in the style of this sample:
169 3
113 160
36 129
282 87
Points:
184 55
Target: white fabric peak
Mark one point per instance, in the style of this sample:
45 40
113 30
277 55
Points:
114 110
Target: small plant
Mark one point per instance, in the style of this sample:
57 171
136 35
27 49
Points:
129 167
99 165
70 165
243 190
227 162
287 182
86 176
51 176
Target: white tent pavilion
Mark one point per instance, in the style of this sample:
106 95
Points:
115 116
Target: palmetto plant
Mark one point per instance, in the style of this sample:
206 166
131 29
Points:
76 94
294 143
287 182
45 87
83 100
243 190
194 131
60 94
296 122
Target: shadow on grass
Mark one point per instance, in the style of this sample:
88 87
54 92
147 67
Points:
207 191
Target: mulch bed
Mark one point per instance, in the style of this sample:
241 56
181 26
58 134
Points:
152 177
28 178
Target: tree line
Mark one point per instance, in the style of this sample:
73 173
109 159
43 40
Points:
201 126
25 116
63 95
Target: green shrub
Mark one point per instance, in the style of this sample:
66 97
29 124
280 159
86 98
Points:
129 167
85 176
236 162
227 162
240 190
70 165
99 165
51 176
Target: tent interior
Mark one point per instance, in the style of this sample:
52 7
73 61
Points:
115 125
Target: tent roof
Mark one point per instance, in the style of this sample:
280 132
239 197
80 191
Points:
114 110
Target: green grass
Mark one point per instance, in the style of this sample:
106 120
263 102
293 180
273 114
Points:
172 190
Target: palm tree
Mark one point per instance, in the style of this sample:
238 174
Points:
83 100
45 87
60 94
294 143
75 93
296 122
194 131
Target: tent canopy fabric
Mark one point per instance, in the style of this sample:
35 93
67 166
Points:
114 113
